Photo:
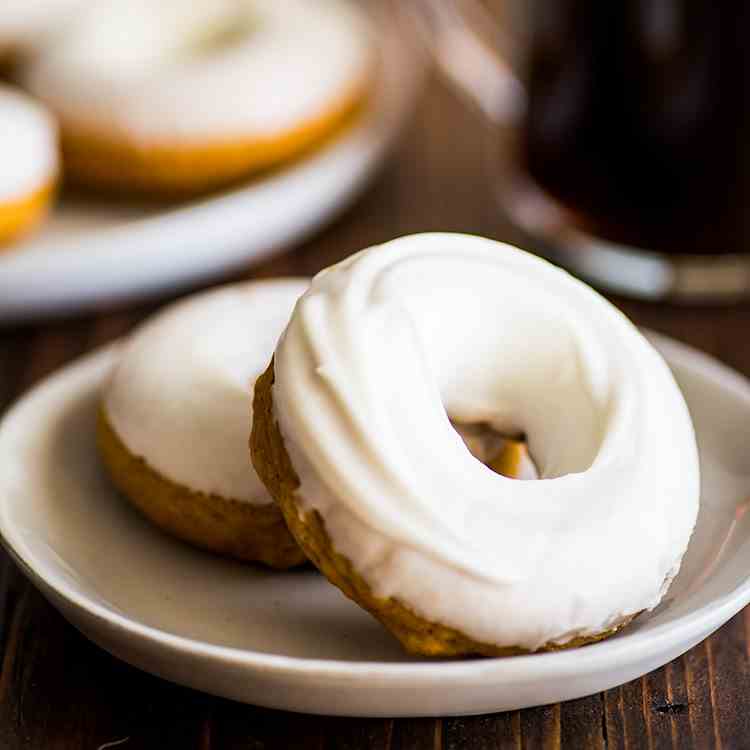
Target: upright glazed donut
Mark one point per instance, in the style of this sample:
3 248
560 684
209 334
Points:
174 428
28 163
354 436
177 97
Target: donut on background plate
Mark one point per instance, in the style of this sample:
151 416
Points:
179 97
28 163
174 429
354 435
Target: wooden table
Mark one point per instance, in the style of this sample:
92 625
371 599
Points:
59 691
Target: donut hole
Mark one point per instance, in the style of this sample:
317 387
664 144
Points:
504 454
223 33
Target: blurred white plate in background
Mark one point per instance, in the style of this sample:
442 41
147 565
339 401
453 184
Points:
101 253
293 641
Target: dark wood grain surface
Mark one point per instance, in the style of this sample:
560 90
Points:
58 691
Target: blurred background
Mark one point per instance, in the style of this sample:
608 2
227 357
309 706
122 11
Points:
197 139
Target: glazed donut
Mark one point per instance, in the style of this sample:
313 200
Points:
174 97
174 429
28 163
353 435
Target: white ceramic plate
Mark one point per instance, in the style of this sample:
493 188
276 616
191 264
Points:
90 253
292 641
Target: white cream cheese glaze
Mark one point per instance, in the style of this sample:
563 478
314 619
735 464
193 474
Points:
28 146
180 396
391 344
205 69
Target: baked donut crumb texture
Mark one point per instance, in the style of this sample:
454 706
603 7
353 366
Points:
125 166
19 217
230 527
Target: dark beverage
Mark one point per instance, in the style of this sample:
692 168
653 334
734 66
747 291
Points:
638 119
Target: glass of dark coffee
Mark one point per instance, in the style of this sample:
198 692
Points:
623 129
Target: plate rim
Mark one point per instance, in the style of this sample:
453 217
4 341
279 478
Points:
521 668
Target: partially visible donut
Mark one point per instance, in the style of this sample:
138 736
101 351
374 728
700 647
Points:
28 163
174 427
354 436
171 97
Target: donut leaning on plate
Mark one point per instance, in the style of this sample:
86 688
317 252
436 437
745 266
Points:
28 163
173 426
354 436
174 98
